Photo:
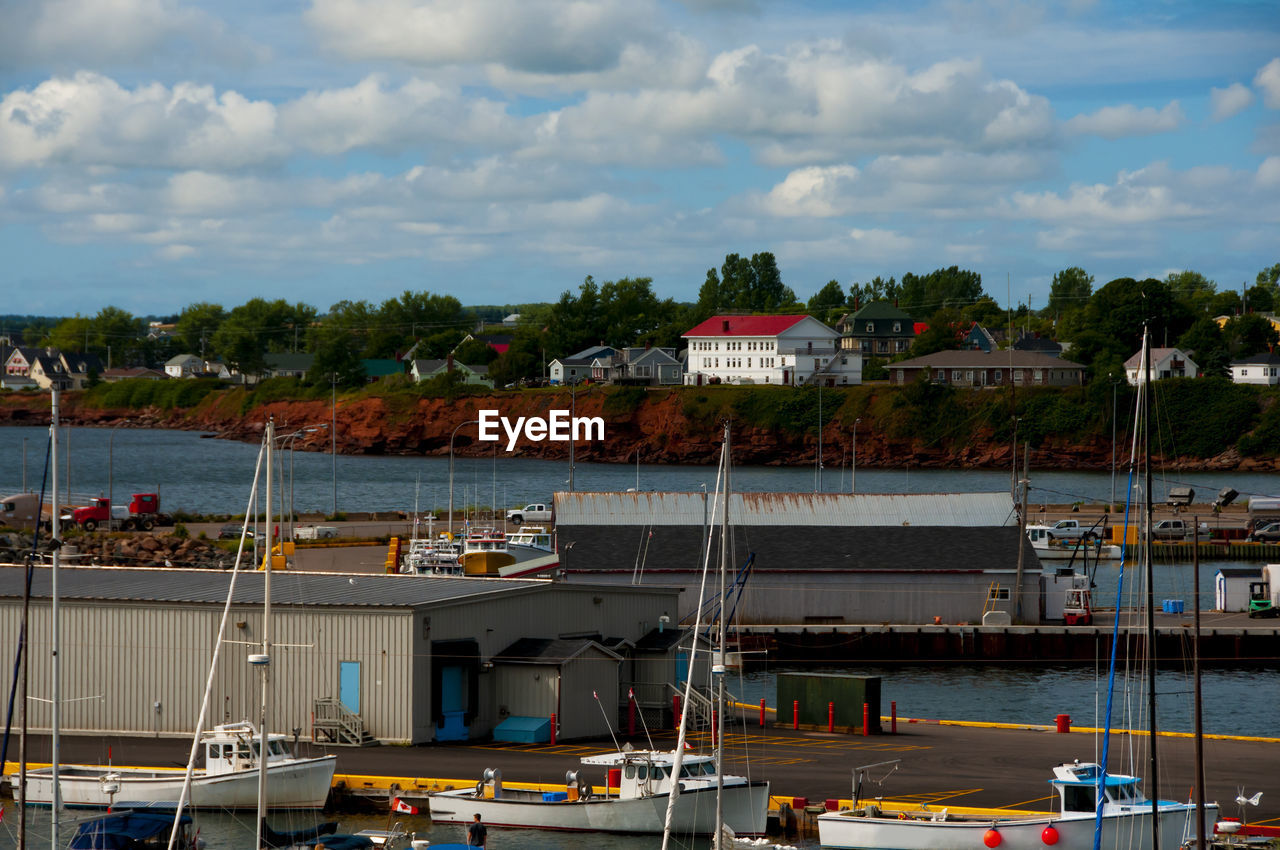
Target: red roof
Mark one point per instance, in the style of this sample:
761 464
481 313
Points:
745 325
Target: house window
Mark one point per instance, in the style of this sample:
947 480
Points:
1037 375
643 372
942 376
968 376
997 376
748 362
871 327
897 327
998 593
1244 372
955 376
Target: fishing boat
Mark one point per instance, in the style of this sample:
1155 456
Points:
1050 548
632 798
134 830
1095 808
229 779
484 552
531 541
435 556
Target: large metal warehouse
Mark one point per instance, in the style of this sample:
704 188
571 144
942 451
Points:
396 658
818 557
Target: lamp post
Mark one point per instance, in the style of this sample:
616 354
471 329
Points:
333 438
853 462
451 436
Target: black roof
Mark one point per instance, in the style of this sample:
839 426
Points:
546 650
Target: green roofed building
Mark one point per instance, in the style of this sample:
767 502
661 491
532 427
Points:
877 330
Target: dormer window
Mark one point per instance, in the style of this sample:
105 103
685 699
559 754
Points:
871 327
897 327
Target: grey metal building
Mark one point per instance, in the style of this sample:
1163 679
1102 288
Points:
404 658
818 557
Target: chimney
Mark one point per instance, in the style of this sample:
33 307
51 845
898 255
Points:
856 302
449 363
725 324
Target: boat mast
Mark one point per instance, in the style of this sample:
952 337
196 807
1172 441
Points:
264 660
1148 551
719 667
1195 665
56 695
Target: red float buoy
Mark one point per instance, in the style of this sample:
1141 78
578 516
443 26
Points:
991 838
1049 835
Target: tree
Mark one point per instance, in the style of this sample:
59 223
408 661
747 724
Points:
1269 277
523 359
1193 290
941 334
950 287
827 299
1260 299
879 289
259 326
197 324
1207 345
402 320
475 352
1249 334
1120 309
1069 291
745 284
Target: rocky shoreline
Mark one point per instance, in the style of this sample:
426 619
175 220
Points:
659 430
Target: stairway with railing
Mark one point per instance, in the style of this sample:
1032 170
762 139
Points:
334 723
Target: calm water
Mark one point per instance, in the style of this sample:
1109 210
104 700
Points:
213 476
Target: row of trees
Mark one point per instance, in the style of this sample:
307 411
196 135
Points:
1103 326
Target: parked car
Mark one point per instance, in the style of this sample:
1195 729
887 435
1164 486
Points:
1176 529
1269 533
530 513
316 532
231 531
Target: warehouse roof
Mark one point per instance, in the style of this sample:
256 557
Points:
287 588
967 510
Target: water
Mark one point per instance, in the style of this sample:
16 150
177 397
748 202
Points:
211 476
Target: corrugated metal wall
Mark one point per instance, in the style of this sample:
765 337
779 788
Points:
525 690
581 714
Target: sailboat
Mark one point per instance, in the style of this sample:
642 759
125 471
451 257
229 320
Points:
233 753
1095 808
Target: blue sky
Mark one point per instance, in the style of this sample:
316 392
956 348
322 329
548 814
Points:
159 152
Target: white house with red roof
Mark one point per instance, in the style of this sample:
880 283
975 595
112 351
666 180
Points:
1165 363
786 350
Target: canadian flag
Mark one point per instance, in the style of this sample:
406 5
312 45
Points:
398 805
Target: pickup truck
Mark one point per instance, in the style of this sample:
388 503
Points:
1176 529
530 513
1072 529
316 532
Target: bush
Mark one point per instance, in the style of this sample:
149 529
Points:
1200 417
140 392
623 401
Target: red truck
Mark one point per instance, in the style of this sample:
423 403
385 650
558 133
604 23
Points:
143 512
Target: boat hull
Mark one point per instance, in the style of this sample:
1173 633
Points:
847 831
745 808
299 784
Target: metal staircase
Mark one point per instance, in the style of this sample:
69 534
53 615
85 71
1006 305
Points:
335 724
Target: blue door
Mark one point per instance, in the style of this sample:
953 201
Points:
453 704
349 685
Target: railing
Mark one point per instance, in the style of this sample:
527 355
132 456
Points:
338 725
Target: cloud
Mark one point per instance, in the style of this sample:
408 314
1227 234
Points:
1268 79
1137 197
541 36
1115 122
1269 172
816 192
91 120
1230 101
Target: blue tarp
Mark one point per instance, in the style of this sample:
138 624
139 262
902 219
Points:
524 730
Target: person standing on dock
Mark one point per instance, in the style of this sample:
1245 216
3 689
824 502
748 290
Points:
476 833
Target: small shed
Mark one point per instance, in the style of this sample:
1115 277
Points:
536 678
1231 588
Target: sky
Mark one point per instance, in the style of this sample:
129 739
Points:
155 153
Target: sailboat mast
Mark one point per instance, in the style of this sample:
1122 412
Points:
56 695
720 637
1148 551
265 661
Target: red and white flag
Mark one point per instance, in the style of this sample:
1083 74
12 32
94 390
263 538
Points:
398 805
631 693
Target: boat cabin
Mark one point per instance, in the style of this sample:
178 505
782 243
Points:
1077 787
532 536
644 773
233 747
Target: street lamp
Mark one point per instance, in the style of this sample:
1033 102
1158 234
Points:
853 463
290 439
451 436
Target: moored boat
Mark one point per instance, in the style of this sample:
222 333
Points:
1051 548
229 779
484 552
633 799
531 541
1126 820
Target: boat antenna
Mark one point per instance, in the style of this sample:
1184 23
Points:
631 696
596 696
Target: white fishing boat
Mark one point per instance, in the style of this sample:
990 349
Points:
1126 821
435 556
484 552
1051 548
229 780
531 541
636 785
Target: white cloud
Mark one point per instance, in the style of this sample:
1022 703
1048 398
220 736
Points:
1115 122
816 192
539 36
1230 101
1268 79
1269 172
91 120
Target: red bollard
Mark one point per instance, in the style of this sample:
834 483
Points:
866 719
795 714
1064 722
675 710
631 717
831 717
893 717
715 725
553 730
762 713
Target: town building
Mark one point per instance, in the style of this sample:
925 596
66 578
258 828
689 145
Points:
974 368
637 366
577 367
878 329
1165 363
1261 369
422 370
779 350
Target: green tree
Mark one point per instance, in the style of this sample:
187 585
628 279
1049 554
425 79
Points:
196 326
1120 309
826 300
1193 290
412 316
258 326
475 352
753 284
878 289
1207 345
1249 334
1261 299
1069 291
951 287
1269 277
941 335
